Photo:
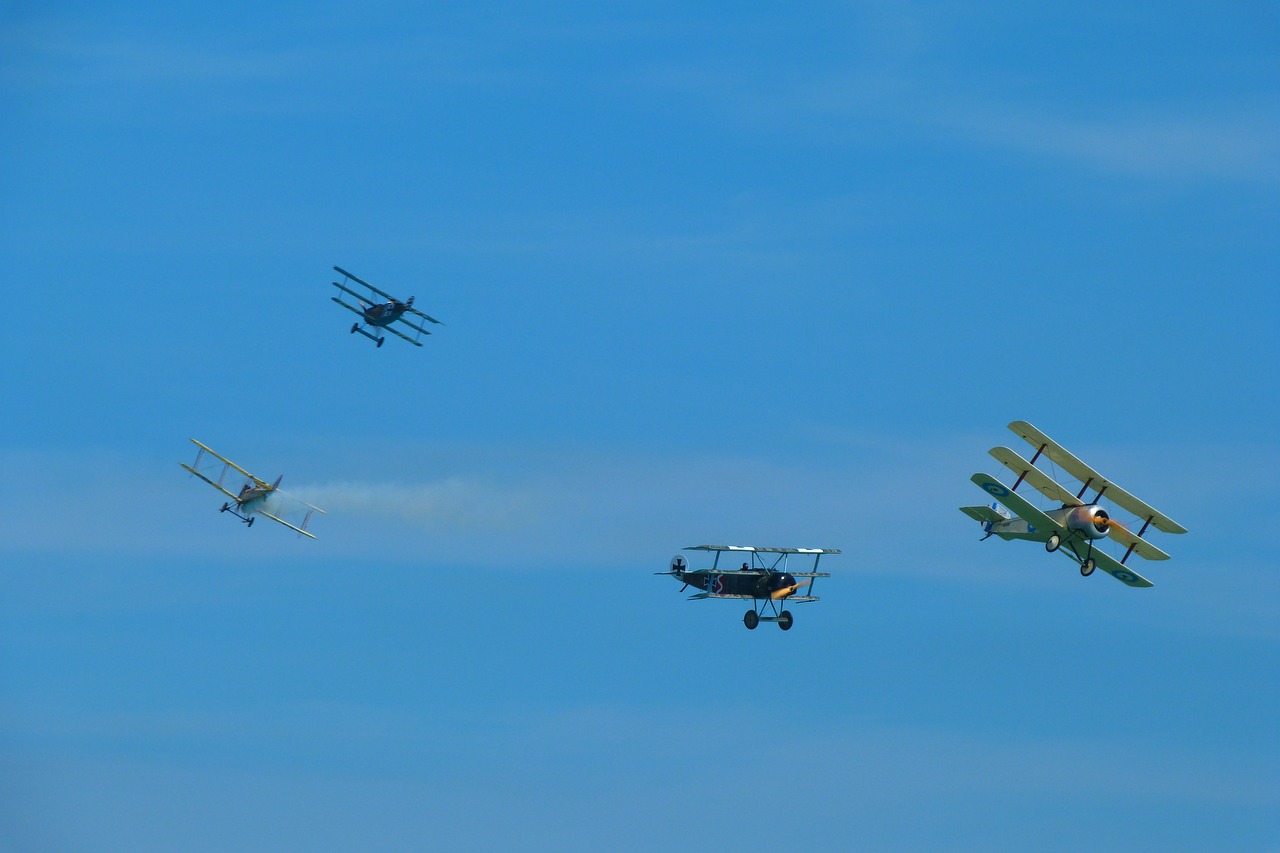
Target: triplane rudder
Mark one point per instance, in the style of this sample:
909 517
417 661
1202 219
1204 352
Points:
1080 525
763 579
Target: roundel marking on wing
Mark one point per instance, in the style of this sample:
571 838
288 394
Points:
995 489
1124 576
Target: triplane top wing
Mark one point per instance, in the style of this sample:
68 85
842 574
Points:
255 497
1060 456
1078 522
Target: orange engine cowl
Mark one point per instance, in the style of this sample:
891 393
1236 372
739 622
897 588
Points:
1091 520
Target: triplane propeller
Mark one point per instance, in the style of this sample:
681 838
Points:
381 314
255 497
763 580
1074 527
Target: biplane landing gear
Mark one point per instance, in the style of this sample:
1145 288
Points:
1087 567
1051 544
249 521
751 620
785 620
225 507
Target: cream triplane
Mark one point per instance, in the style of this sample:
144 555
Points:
763 580
255 497
1073 528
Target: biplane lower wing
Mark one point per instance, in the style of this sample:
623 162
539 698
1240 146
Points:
293 527
193 471
359 280
1041 525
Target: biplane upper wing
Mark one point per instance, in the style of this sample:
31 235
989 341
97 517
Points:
763 550
1065 460
216 455
358 280
1040 523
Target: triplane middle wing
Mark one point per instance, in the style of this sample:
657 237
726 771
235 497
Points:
255 497
763 579
1078 523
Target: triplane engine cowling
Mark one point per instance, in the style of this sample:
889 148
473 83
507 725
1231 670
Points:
1092 521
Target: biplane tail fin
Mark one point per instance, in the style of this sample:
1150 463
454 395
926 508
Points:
276 484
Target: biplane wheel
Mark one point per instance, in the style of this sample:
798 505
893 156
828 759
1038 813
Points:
251 520
785 620
1052 543
1087 567
225 507
355 327
751 620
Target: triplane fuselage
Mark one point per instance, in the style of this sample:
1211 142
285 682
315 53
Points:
763 580
1074 527
381 315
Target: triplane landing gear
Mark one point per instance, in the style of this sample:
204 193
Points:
754 617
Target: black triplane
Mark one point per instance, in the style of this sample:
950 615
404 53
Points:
762 579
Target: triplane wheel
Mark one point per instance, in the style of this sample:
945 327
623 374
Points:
751 620
380 340
785 620
1052 543
355 327
1087 567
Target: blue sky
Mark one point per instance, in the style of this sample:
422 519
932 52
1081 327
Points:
775 276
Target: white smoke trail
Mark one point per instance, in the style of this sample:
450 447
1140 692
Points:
449 504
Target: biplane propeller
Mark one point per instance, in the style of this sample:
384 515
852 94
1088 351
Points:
1073 528
253 497
763 580
381 314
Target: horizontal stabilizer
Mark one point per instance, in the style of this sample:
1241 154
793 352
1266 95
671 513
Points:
982 513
